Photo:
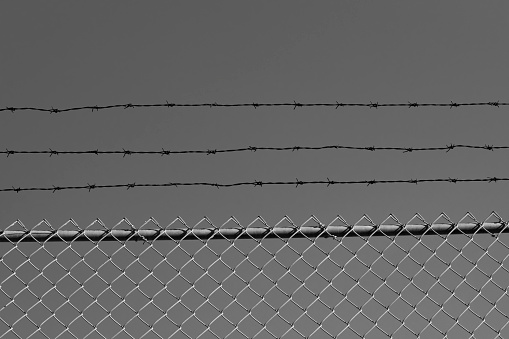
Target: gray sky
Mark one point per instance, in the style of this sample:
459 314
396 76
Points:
65 54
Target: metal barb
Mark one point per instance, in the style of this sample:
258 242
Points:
329 182
453 104
450 147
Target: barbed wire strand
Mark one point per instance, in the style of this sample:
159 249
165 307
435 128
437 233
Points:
125 152
255 183
255 105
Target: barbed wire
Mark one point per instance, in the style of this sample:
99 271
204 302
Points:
254 183
293 104
209 151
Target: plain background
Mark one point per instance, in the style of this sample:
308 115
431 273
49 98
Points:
66 54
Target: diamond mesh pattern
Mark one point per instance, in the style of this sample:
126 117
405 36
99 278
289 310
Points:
449 280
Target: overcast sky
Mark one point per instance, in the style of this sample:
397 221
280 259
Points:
66 54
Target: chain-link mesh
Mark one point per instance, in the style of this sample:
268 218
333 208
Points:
337 280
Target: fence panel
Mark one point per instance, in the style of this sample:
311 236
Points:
339 280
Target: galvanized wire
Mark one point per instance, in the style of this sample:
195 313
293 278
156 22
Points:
314 280
212 151
255 105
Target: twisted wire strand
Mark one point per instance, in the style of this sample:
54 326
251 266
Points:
163 151
255 105
255 183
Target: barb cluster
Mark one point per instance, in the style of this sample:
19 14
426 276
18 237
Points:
255 105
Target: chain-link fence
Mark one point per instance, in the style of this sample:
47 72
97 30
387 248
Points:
315 280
